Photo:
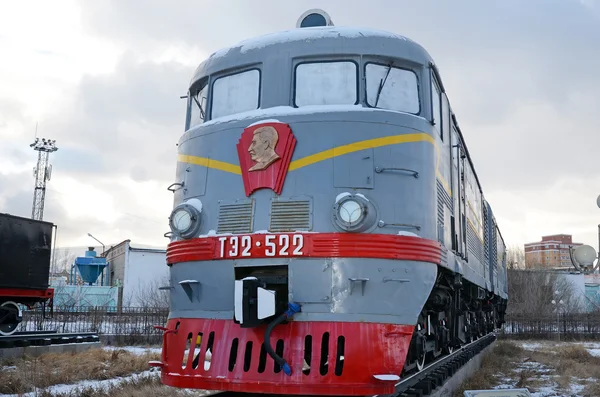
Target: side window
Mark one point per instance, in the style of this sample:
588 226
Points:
445 123
235 93
326 83
197 103
435 105
392 88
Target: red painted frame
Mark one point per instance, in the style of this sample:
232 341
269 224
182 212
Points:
369 349
315 245
41 294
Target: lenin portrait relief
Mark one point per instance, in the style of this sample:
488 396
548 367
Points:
262 148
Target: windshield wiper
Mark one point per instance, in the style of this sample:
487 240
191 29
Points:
199 106
382 83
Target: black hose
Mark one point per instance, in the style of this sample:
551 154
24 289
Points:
279 360
292 309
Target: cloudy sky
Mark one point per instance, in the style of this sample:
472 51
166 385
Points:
103 78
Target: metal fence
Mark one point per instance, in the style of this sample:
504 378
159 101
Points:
134 325
578 326
128 325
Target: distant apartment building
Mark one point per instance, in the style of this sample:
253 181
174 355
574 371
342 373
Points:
551 252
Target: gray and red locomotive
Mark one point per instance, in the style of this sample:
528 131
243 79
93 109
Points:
329 234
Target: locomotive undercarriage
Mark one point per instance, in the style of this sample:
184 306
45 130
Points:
456 313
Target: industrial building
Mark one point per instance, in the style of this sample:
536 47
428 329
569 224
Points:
122 276
138 272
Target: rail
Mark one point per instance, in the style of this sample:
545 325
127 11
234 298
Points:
424 382
46 338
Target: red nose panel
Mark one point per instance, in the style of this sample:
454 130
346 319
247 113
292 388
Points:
343 357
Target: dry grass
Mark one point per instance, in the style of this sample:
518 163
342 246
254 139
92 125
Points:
493 366
561 366
68 368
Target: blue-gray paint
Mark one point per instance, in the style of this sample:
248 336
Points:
322 285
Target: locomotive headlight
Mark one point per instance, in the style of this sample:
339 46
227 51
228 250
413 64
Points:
350 211
354 212
185 219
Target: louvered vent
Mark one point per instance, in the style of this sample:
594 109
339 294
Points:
290 215
235 217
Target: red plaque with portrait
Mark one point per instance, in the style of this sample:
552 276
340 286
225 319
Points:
265 151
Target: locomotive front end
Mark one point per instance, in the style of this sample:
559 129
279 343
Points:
303 243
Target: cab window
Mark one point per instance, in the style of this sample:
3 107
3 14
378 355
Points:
393 88
235 93
326 83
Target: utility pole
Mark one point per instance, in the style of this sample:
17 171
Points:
42 173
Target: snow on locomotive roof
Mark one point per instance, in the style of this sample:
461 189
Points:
277 111
305 34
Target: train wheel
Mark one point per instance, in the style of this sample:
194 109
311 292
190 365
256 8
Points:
11 318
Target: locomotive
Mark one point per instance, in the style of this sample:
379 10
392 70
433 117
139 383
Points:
329 234
25 253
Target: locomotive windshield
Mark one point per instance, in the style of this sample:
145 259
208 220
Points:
235 93
392 88
326 83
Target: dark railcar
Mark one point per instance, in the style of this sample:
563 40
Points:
25 256
25 248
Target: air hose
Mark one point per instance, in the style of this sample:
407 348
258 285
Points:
293 308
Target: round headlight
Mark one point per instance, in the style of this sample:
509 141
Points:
350 212
354 213
182 220
185 218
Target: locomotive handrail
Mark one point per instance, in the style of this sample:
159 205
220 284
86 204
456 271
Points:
379 170
180 184
382 223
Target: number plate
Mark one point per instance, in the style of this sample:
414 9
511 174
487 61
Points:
261 245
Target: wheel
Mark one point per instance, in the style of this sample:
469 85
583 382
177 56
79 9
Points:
11 315
421 362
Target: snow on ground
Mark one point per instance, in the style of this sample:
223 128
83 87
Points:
138 350
96 384
103 384
544 379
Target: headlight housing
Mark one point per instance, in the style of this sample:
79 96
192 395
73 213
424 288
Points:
185 219
354 213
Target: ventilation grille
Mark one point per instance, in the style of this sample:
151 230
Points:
290 215
486 239
474 244
235 217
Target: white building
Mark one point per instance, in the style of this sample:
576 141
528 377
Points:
139 272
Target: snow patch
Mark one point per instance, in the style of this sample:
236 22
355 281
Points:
306 35
406 233
290 110
341 196
137 350
264 122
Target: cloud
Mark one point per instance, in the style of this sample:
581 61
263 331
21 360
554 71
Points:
521 78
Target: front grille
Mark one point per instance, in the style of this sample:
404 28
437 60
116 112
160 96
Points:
235 217
290 215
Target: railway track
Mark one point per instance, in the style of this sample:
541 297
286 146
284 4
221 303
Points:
424 382
46 338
